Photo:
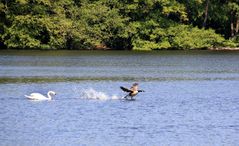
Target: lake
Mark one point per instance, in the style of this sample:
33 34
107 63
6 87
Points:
190 98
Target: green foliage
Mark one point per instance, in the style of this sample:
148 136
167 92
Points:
98 24
36 32
233 42
187 37
120 24
175 8
178 37
234 7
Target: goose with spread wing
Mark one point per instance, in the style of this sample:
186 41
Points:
133 91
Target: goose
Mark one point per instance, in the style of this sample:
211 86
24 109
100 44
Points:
38 96
133 91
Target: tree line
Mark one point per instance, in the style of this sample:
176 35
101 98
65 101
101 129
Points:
119 24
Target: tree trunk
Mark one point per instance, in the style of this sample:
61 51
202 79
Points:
237 25
206 14
232 24
188 11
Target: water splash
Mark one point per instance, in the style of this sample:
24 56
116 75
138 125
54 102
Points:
97 95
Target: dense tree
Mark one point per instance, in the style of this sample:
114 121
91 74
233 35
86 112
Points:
118 24
36 24
233 7
98 25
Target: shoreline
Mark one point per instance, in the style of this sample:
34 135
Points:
224 49
208 49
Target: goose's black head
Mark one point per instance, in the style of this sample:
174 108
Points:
135 84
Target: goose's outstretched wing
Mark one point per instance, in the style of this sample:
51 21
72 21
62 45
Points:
125 89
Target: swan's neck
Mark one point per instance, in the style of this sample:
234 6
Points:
49 96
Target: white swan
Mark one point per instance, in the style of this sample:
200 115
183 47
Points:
38 96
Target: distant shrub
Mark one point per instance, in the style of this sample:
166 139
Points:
188 37
234 42
179 37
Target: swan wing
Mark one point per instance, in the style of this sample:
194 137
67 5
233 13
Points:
27 96
37 96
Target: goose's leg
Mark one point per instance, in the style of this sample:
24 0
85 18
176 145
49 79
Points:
126 96
131 97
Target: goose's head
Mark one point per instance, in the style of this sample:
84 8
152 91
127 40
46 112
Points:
135 84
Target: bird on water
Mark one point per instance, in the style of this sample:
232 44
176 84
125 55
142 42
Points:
133 91
38 96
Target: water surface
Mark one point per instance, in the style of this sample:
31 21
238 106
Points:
191 98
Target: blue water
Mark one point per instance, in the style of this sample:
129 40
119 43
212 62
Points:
191 98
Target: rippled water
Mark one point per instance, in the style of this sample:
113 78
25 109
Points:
191 98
